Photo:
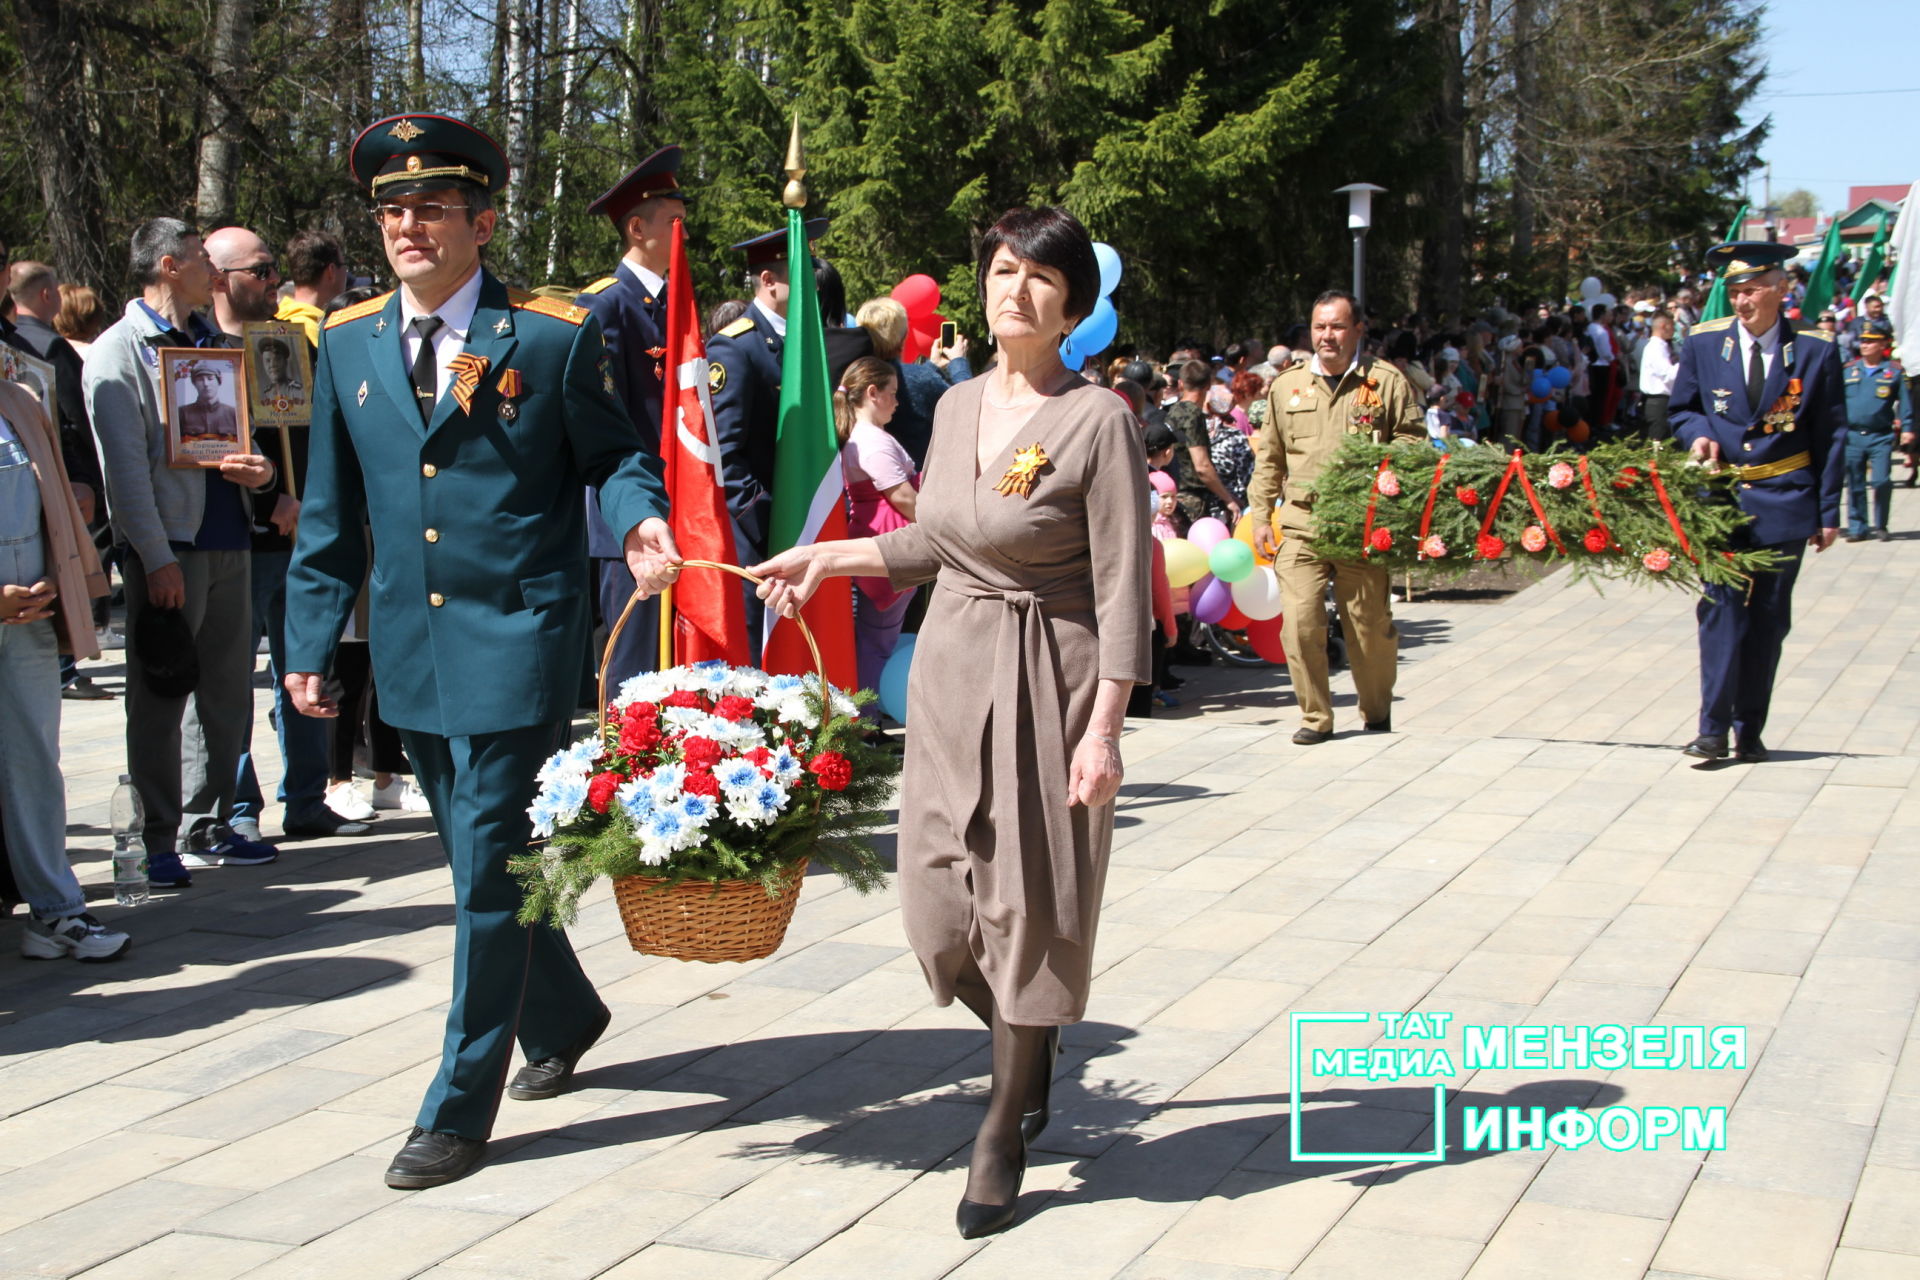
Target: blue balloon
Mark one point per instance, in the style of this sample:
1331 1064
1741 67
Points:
1559 376
1542 387
1109 259
893 679
1091 336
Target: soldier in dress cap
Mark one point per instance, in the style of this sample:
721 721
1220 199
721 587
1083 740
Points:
1877 410
461 419
631 306
1753 393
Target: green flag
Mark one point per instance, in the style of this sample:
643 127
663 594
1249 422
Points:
1876 258
1716 305
1820 288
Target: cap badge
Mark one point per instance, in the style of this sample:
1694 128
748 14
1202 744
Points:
406 131
413 164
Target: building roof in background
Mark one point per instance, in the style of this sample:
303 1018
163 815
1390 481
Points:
1791 230
1857 196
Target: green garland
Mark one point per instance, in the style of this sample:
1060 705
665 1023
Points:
1363 512
836 833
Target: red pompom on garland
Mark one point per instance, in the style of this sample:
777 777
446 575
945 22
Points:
1533 538
1595 541
1657 559
1490 547
1468 495
1380 539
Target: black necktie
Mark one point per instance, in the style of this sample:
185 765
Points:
1756 377
425 374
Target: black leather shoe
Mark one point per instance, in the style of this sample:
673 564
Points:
1751 752
549 1077
1034 1123
323 825
430 1159
1382 725
1304 737
1883 535
1708 746
976 1220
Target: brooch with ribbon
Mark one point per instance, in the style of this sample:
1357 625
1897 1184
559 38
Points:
1366 399
1024 471
511 386
468 369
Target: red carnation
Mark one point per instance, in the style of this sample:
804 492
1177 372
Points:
700 753
1595 541
1468 495
759 757
601 788
1380 539
1658 559
701 783
733 707
832 769
1490 547
686 698
638 735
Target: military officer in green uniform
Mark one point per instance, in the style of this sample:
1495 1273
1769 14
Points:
460 419
1877 409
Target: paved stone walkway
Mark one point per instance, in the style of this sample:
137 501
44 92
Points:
1527 848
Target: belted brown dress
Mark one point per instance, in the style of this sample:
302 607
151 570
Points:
1036 599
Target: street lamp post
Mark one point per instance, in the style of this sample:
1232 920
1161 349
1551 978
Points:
1359 217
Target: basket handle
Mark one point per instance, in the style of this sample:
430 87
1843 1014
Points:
606 656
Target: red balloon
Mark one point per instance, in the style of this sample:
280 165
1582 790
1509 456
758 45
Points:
919 294
1235 620
1265 639
921 335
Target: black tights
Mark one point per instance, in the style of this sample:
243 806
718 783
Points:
1021 1067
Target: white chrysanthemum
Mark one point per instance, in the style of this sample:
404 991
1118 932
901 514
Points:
648 686
757 805
733 775
787 768
685 719
574 761
698 810
745 682
636 800
668 781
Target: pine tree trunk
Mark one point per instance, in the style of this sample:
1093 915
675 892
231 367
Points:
55 48
225 112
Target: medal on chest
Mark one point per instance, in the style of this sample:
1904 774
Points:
1722 399
1781 416
1366 405
1019 477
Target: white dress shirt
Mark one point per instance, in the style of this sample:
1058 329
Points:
450 339
779 322
1769 349
1657 368
656 286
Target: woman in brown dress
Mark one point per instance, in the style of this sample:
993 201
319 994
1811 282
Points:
1033 526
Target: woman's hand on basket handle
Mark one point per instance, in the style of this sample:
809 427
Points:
652 556
792 577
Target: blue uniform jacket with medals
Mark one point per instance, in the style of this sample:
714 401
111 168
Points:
1876 396
480 593
1710 401
744 376
634 323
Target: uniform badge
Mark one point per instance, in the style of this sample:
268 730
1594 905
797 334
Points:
1883 391
380 325
502 325
363 395
1721 398
716 377
511 387
406 131
1294 401
509 411
1726 348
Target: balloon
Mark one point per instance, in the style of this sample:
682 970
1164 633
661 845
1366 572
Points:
1559 376
1264 637
1091 336
1542 386
1258 595
1161 482
1109 261
1210 600
1234 621
922 333
1186 563
1603 300
1230 559
1579 432
1244 532
919 294
1590 287
1551 420
893 679
1206 531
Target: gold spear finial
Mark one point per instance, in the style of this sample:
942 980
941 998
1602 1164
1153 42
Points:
795 195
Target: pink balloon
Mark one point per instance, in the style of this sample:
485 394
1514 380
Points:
919 294
1211 600
1207 531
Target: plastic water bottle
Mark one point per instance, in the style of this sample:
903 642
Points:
129 844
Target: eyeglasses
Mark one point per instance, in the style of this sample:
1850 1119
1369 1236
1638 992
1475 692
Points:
393 215
261 271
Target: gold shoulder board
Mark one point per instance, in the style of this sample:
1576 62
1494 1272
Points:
743 325
521 300
1820 334
359 309
1713 326
599 286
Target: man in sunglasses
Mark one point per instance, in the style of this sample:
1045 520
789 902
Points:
462 420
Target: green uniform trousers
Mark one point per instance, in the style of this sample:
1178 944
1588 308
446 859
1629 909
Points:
1373 646
509 981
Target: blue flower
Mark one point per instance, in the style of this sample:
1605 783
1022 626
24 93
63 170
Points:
735 774
665 825
696 808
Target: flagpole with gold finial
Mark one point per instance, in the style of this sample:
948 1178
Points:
795 194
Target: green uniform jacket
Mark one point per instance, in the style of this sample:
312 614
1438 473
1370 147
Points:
480 592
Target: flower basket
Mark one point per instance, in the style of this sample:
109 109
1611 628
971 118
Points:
703 793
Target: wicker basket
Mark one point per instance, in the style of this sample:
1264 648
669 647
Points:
706 920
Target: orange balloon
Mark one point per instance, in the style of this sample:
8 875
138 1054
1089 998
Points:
1551 420
1579 432
1243 531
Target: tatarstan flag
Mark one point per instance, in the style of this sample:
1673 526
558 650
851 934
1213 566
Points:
710 617
809 491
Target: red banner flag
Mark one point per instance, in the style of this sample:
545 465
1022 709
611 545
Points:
710 619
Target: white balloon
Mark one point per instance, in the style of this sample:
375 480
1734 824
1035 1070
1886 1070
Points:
1258 594
1590 287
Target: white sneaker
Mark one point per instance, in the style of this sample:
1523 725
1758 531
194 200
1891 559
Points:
81 937
401 793
345 799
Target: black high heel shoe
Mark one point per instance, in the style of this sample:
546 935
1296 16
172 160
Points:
1034 1123
975 1219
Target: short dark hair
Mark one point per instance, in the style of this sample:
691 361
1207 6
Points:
154 239
1337 295
310 254
832 292
1053 238
1196 375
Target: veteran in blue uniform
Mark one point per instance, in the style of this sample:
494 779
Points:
631 306
461 419
1753 393
1878 409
